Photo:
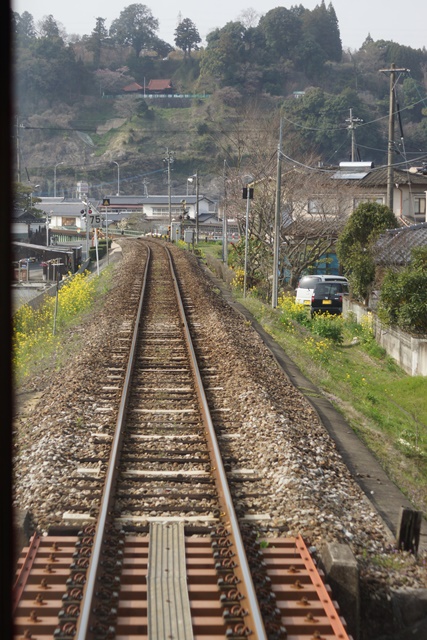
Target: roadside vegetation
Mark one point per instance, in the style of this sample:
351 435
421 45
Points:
385 407
37 334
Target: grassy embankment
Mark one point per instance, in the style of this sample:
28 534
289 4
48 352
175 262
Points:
41 337
386 407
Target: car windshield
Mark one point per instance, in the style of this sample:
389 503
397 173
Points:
330 288
308 282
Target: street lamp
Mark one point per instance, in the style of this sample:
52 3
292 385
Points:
196 178
54 178
33 187
118 176
169 158
48 219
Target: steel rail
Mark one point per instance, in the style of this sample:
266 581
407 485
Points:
254 618
93 569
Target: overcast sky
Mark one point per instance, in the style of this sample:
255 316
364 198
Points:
394 20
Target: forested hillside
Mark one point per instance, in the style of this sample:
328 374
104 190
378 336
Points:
72 109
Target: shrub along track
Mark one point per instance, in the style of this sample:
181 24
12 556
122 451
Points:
283 468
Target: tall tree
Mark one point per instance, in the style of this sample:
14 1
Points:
23 27
321 26
225 49
49 27
96 40
187 37
281 28
355 245
136 26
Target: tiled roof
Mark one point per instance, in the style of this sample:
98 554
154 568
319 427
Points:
61 208
395 245
134 86
121 201
378 178
19 215
159 85
312 227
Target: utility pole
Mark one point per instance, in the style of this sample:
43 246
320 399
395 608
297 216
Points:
169 159
352 127
248 194
54 178
276 244
118 175
197 207
391 118
18 150
224 219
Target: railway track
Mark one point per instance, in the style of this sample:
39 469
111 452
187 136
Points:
151 545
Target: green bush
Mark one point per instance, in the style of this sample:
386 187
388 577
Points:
328 326
102 250
403 297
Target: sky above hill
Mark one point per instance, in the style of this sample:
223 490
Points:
391 20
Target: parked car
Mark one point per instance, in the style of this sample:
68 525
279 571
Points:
307 283
328 297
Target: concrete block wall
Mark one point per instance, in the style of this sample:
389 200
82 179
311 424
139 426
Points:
409 352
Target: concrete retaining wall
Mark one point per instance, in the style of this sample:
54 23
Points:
409 352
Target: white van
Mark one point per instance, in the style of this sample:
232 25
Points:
306 286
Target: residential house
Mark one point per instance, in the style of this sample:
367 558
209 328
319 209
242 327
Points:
25 226
160 87
155 209
370 184
133 88
63 213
